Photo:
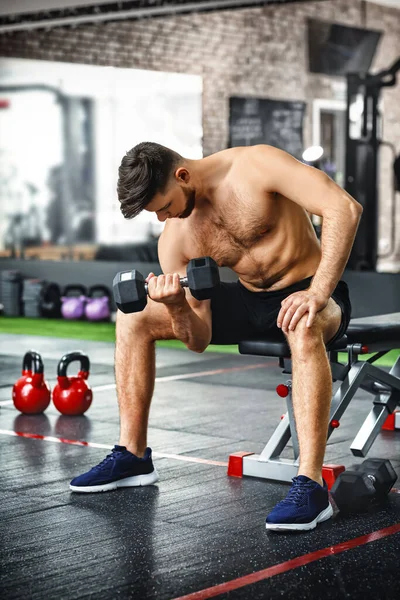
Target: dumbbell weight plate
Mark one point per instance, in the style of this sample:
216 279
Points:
203 277
129 291
353 491
382 471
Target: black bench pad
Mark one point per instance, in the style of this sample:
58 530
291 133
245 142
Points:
379 333
380 329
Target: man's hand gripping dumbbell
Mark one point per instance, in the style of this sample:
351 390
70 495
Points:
131 289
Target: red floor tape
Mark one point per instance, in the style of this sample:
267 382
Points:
300 561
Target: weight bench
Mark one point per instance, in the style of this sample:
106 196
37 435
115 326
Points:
377 335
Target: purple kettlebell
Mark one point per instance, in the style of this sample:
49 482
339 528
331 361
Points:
73 301
98 303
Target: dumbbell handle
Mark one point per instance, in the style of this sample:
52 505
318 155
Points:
182 280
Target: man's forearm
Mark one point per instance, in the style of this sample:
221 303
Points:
337 238
188 327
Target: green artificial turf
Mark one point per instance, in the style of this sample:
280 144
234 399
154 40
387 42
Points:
85 330
81 330
105 332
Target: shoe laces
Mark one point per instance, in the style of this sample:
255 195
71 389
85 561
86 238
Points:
298 493
106 461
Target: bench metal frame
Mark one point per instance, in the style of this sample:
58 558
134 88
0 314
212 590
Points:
385 387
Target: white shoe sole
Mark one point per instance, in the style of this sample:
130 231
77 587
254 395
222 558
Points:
323 516
136 481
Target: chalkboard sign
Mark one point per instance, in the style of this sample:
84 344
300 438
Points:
277 123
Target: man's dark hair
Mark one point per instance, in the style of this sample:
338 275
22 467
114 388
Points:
144 171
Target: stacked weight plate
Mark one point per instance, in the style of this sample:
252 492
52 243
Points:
11 293
32 296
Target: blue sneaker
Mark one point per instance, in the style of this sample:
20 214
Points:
306 504
121 468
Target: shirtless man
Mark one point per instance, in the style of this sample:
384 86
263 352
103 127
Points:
248 209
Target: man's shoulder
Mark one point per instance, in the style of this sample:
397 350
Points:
261 150
254 155
173 228
251 165
259 165
173 235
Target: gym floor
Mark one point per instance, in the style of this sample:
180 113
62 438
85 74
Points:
197 533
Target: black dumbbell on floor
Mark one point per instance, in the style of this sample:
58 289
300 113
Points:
368 485
130 288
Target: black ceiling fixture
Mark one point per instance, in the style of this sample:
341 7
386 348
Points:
123 10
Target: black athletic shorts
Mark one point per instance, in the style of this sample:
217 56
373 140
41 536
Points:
239 314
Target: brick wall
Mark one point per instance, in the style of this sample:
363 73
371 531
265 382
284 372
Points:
259 51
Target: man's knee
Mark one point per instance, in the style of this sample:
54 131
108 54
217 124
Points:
129 323
304 338
325 325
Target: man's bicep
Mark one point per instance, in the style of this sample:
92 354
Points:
170 255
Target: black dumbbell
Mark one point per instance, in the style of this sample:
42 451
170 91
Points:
130 288
357 490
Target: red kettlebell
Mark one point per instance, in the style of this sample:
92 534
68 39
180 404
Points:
31 393
72 395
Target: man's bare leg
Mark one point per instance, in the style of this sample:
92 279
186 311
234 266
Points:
312 387
135 370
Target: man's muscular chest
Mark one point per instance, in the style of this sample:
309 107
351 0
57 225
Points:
234 227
